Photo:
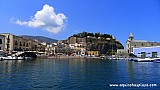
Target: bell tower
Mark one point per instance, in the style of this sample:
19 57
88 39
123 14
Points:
131 37
129 43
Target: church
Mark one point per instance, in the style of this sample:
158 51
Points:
131 44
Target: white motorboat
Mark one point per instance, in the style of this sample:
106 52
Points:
144 59
28 58
15 58
157 60
12 58
103 57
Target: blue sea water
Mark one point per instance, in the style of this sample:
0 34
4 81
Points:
81 74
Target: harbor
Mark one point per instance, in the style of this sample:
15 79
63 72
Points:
76 74
89 62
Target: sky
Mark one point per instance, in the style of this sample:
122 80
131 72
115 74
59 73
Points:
59 19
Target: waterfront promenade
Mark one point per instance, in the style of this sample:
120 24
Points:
65 56
72 57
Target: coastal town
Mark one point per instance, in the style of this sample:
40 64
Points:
81 45
77 45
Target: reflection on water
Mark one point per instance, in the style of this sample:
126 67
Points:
130 70
74 73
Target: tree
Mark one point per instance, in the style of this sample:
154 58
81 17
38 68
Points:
78 35
75 35
119 46
92 47
97 34
84 34
106 36
90 34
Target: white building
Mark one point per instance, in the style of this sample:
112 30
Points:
72 46
121 51
153 51
49 48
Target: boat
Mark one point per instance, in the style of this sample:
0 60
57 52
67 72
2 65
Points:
113 58
103 57
121 58
94 57
144 59
28 58
15 58
19 56
157 60
132 59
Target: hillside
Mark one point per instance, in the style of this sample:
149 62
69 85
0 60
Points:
40 38
105 43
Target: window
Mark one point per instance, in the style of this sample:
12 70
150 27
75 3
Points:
8 46
0 41
152 44
154 54
20 44
143 54
27 45
8 39
0 48
132 49
24 44
142 44
16 43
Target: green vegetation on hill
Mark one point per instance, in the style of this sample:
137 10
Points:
85 34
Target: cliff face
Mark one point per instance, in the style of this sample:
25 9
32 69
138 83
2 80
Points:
104 43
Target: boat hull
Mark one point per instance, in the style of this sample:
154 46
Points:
144 60
15 58
157 60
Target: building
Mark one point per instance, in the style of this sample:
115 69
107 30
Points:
73 40
93 53
17 43
78 48
2 38
121 51
131 43
49 48
20 44
147 51
8 44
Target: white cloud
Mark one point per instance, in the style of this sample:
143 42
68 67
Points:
46 19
